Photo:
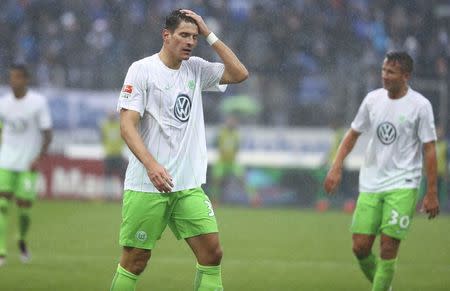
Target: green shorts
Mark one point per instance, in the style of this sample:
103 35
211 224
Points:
21 184
145 216
387 212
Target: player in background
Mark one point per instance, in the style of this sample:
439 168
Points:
227 164
114 163
401 124
161 117
26 136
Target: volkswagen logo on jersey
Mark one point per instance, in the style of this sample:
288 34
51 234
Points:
182 109
386 133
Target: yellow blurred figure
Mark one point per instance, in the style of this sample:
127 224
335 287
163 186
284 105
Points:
112 146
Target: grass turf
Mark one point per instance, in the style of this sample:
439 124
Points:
74 247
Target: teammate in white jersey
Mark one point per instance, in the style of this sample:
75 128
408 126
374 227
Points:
161 117
26 135
400 123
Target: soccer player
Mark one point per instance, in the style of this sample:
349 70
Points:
226 165
26 136
400 123
161 118
112 142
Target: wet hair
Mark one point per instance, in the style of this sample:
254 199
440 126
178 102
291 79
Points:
21 67
403 58
174 19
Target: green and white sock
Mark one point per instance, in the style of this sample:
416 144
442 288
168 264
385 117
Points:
123 280
384 274
24 221
4 208
369 266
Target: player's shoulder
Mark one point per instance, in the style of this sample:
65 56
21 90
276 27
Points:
195 61
418 98
36 96
145 62
4 97
376 93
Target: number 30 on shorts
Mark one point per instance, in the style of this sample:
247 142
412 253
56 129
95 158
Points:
209 205
402 221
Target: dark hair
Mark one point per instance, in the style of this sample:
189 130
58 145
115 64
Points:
21 67
174 19
403 58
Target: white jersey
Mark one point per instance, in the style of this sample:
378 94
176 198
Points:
171 126
23 120
397 129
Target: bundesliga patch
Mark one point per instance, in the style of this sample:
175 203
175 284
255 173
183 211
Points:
126 91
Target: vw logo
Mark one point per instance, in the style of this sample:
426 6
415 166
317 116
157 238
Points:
386 133
182 109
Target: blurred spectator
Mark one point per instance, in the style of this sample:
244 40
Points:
295 49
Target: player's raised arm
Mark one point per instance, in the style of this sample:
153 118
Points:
235 71
334 175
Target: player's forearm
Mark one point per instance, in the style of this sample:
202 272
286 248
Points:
431 167
47 136
345 148
235 71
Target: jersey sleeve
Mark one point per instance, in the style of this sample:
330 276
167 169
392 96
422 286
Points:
361 123
426 129
44 116
211 73
134 92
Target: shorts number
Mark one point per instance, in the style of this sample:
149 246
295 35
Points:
402 221
209 205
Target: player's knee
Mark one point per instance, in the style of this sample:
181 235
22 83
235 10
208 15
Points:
134 260
138 266
388 250
216 256
360 250
213 257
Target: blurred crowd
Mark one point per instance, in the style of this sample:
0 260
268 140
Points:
305 56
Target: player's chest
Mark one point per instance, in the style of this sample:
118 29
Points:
169 85
19 119
392 121
175 95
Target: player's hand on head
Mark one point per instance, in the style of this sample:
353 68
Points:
202 27
430 205
160 178
332 180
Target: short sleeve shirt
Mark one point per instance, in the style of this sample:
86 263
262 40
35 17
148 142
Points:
172 126
397 129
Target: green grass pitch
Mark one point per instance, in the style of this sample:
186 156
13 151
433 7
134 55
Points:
74 247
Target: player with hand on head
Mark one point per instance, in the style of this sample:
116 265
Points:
161 118
26 136
401 126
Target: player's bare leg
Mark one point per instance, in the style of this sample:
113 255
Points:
24 208
132 263
5 199
362 248
209 254
135 260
